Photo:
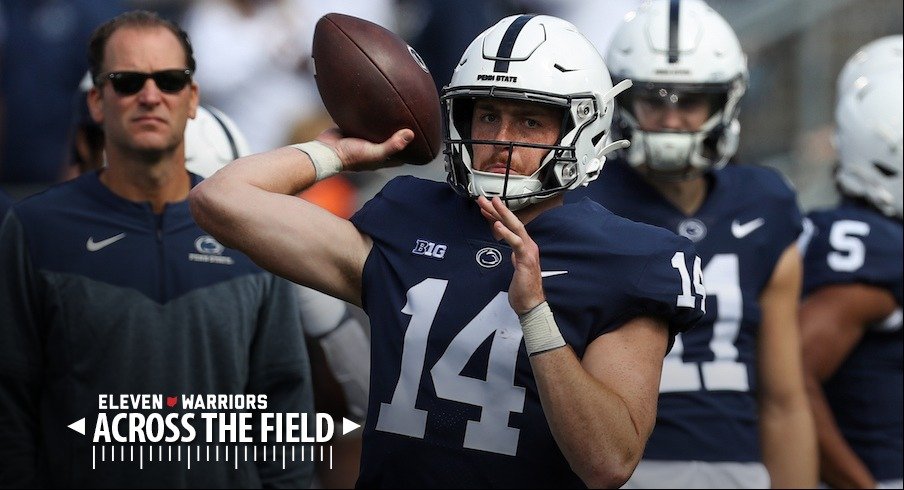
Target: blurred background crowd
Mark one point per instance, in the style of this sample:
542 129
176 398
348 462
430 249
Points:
254 64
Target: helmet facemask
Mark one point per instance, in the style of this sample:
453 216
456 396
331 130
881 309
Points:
675 154
541 60
557 172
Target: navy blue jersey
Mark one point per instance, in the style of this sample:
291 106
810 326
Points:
855 244
453 402
5 203
707 404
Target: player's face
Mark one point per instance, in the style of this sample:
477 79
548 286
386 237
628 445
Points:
517 121
150 120
686 112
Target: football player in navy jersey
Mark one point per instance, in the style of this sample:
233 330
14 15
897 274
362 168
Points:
851 312
733 411
516 342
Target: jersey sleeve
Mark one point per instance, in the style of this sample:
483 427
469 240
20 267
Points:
376 217
853 249
671 286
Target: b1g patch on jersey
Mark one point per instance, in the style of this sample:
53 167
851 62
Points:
429 249
209 251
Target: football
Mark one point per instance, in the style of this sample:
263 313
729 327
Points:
373 84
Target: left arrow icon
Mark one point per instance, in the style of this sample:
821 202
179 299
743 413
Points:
78 426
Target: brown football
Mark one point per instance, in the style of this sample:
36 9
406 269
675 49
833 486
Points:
373 84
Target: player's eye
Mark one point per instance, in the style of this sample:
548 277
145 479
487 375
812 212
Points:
488 117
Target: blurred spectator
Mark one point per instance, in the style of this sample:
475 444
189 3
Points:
253 59
441 30
42 58
596 20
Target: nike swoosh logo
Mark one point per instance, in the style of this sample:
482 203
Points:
93 246
552 273
741 230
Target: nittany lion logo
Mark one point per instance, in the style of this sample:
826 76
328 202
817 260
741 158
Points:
489 257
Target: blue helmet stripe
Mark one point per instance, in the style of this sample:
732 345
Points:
508 43
673 30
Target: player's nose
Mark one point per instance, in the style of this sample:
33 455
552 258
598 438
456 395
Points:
150 93
672 118
505 131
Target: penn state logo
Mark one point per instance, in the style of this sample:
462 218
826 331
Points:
418 59
692 229
489 257
210 252
206 244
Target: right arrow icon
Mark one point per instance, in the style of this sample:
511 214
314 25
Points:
348 426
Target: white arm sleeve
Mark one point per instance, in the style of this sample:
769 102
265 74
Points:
344 342
320 313
347 351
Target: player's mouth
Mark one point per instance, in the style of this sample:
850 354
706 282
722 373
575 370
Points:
149 120
498 168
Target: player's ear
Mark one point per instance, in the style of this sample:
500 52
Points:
195 99
95 103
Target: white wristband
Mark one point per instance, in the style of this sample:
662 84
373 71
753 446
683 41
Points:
540 330
325 159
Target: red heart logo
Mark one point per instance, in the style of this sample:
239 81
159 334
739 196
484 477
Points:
171 401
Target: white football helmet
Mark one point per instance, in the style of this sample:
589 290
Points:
675 49
540 59
882 54
868 137
212 140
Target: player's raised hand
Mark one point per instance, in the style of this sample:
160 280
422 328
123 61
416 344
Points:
526 289
359 154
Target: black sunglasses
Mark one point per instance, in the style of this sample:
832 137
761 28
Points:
131 82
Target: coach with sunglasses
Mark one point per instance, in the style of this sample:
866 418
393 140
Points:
109 288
